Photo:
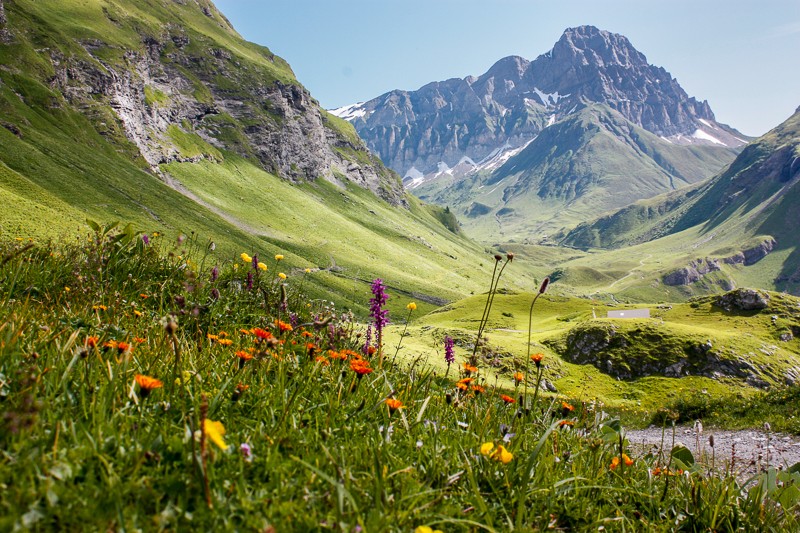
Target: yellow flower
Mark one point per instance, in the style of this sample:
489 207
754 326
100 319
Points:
411 306
246 258
281 275
502 455
308 271
426 529
486 448
214 430
278 257
67 289
262 266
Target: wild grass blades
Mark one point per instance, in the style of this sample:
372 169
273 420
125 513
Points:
487 308
538 360
307 435
412 306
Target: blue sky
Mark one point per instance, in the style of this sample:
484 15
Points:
741 56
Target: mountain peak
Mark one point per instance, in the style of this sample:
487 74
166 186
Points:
591 46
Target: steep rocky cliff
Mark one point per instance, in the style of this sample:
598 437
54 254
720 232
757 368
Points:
190 80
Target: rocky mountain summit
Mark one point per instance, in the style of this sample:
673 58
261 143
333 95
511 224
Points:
471 122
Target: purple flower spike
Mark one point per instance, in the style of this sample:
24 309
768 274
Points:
255 261
146 240
449 352
380 316
214 274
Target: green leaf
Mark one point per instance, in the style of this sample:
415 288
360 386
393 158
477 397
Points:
684 456
92 224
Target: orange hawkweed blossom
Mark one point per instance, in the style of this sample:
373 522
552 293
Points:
477 389
91 342
283 326
519 377
507 399
360 367
537 358
243 355
261 334
225 342
463 384
615 461
393 404
469 369
147 384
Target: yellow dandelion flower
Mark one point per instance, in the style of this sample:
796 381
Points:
214 430
246 258
281 275
411 306
279 257
262 266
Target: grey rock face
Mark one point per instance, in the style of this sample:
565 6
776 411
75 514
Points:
516 99
5 35
279 125
744 300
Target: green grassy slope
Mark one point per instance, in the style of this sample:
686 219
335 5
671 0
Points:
62 162
586 353
754 199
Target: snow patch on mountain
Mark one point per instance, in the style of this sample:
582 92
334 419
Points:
700 134
350 112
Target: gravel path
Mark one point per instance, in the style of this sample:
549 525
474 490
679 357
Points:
754 450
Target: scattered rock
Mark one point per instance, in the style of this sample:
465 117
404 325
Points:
744 300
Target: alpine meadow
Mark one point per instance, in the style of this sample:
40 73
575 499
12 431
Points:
559 295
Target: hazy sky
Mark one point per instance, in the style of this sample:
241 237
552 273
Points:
741 56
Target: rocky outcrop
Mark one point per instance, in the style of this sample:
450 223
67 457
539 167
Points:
697 269
743 300
170 91
751 255
5 35
691 273
647 350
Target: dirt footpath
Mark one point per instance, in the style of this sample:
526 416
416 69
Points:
749 451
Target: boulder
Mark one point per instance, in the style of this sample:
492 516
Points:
743 300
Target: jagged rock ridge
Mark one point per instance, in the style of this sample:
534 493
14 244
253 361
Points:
469 122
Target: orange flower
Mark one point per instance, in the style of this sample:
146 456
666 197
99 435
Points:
507 399
306 334
147 384
110 345
243 355
337 355
212 337
477 389
567 407
261 334
323 360
124 347
566 423
311 347
91 342
537 358
245 332
371 350
469 369
225 342
139 340
519 377
615 461
360 367
463 384
238 391
283 326
393 404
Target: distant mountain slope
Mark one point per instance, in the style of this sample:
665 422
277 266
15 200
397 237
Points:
746 213
444 131
113 109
